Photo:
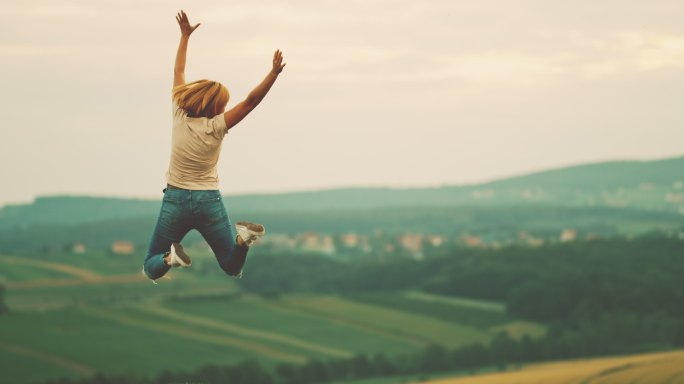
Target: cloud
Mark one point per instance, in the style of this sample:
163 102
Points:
618 53
276 13
629 52
500 68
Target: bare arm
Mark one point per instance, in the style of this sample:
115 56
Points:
186 31
242 109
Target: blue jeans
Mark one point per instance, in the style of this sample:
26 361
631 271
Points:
183 210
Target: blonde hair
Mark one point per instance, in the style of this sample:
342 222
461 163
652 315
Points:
201 98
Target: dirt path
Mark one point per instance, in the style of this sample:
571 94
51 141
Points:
48 283
456 301
244 331
69 365
81 273
199 336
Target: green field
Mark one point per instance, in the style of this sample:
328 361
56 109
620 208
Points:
102 315
466 312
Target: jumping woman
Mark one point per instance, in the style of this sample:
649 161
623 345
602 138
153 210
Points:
192 199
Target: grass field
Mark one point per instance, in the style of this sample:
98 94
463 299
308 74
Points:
463 311
412 328
485 316
101 315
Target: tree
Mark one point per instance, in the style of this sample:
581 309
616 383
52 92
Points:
3 307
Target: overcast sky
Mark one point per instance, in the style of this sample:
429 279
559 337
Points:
398 93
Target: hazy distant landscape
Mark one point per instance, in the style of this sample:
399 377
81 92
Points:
603 199
355 285
650 185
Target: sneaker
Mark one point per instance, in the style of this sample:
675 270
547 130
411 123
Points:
177 257
249 232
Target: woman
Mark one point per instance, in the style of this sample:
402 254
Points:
191 198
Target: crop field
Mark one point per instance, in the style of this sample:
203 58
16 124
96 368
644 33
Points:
653 368
97 315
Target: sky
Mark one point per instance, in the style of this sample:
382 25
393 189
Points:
397 93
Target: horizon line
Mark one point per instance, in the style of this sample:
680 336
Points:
361 186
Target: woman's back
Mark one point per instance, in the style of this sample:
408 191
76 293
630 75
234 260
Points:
195 150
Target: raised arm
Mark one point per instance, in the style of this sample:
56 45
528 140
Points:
186 30
238 112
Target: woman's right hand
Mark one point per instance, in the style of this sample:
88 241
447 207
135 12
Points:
278 64
185 27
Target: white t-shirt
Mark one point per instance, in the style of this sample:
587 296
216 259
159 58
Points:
195 149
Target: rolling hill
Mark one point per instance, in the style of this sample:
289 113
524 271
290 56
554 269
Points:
644 185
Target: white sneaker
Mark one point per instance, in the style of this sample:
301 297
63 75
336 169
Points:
249 232
177 257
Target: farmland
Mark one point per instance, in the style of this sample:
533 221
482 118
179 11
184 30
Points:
313 318
99 314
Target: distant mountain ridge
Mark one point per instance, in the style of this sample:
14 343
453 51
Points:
610 174
651 185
